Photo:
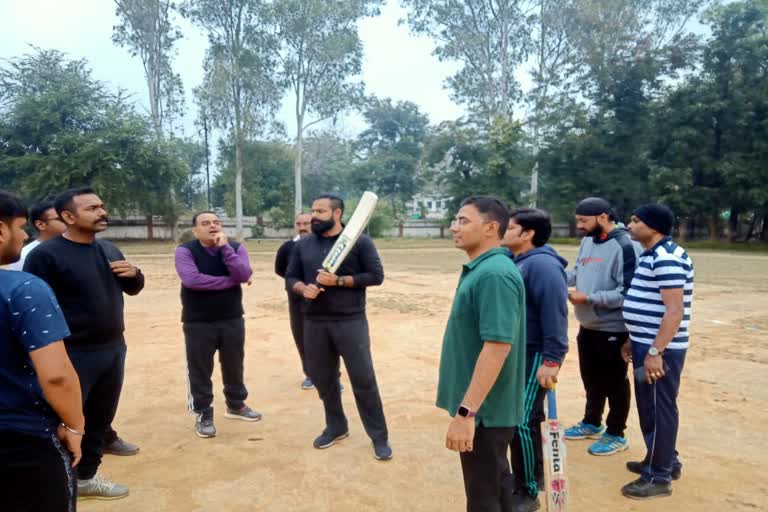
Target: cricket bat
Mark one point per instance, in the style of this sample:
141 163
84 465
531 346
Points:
553 439
351 233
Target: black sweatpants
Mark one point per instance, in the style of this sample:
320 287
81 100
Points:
35 474
202 340
604 374
659 417
324 342
296 314
526 450
101 381
488 482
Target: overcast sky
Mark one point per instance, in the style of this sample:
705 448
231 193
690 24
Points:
396 65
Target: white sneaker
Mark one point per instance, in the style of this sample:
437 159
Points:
99 488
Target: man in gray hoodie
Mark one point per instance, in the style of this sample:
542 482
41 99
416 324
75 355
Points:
546 313
602 275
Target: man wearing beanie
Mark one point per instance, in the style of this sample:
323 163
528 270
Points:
602 275
657 311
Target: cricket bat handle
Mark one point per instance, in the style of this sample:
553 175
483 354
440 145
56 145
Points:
551 405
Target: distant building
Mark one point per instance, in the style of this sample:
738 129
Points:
428 206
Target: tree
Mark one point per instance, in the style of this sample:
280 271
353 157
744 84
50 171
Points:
328 165
320 51
147 30
490 38
240 91
390 149
267 182
60 128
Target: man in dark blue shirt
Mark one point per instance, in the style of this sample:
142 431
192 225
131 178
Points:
41 418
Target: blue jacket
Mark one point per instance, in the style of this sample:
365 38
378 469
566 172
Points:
546 292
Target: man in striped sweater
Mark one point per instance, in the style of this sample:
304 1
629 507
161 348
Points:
657 311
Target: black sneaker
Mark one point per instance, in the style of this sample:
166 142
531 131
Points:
326 440
637 467
382 450
642 489
121 447
204 425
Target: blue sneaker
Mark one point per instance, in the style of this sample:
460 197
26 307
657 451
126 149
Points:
608 445
583 430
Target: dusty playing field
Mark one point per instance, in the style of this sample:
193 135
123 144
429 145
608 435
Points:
271 465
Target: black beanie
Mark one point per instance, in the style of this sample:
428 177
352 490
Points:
656 216
593 206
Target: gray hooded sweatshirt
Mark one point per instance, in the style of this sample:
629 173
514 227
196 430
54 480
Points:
603 271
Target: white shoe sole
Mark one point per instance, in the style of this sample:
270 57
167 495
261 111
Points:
342 436
102 498
231 416
607 454
204 436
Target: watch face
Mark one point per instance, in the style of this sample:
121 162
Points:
463 411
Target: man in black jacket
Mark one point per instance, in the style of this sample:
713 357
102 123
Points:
303 225
335 324
89 278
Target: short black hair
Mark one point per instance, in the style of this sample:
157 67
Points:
337 203
492 210
195 216
64 201
536 220
37 212
11 207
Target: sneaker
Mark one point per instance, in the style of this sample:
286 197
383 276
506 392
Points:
637 467
99 488
121 447
204 425
608 445
307 384
642 489
245 413
382 450
326 440
583 430
525 503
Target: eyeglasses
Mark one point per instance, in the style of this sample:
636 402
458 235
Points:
460 222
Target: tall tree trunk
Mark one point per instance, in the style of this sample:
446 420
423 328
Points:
683 230
714 227
298 203
752 225
733 224
239 185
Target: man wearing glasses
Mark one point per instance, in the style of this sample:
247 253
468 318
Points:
212 270
48 225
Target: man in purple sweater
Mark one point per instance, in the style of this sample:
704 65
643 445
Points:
212 270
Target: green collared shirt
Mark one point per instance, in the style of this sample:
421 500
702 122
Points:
489 306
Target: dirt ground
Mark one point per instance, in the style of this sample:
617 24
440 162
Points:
271 465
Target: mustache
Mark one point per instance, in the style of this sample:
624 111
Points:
104 219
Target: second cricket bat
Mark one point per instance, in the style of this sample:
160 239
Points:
553 439
351 233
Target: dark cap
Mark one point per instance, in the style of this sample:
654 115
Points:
593 206
656 216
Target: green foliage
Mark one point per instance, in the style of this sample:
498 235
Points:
382 221
267 175
61 128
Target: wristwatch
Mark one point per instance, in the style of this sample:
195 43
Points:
464 412
653 351
340 281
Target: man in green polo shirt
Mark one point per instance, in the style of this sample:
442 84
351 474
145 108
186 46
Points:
482 364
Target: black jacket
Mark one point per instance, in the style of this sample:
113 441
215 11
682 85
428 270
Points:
362 263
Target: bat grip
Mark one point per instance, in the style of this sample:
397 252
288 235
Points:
551 405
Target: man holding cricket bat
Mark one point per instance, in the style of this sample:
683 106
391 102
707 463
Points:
335 323
212 270
482 365
546 292
657 311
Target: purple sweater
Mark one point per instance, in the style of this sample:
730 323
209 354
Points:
237 262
